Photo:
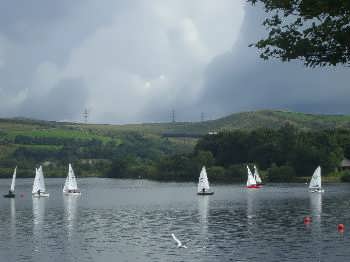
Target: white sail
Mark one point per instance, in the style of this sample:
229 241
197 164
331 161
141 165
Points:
12 189
257 176
66 183
71 181
203 182
315 182
251 180
41 180
36 183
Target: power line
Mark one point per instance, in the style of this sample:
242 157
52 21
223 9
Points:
173 116
202 116
86 115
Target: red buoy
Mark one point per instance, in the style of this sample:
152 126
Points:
307 220
22 195
341 228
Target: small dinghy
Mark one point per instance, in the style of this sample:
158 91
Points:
203 184
257 176
251 182
316 183
70 186
11 193
39 189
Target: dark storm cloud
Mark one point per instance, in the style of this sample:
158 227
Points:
136 60
62 102
135 57
241 81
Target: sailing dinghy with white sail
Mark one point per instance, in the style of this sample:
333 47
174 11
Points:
70 186
251 182
203 184
11 193
39 189
315 183
257 176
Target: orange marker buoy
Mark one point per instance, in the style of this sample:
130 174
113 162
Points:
341 228
307 220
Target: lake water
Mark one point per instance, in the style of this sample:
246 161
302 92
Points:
132 220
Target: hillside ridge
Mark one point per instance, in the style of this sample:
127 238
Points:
248 120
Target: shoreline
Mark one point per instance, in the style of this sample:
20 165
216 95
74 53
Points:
325 180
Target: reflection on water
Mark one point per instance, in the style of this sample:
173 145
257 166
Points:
250 195
203 209
316 229
316 205
38 227
13 218
70 208
123 220
38 214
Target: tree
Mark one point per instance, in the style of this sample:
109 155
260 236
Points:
204 158
281 174
315 31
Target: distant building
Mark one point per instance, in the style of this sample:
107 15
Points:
345 164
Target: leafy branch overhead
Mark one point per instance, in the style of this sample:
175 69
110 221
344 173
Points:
314 31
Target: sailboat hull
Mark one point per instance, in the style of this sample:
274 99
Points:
254 186
41 195
317 190
205 193
72 193
10 196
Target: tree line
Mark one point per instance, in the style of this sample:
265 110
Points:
284 155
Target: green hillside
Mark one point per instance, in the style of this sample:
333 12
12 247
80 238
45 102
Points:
92 148
243 121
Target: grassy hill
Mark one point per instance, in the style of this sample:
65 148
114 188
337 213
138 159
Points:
91 147
245 120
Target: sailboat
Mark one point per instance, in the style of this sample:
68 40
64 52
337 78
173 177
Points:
315 183
11 193
70 186
39 189
251 182
257 176
203 183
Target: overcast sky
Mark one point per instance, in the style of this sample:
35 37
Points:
136 60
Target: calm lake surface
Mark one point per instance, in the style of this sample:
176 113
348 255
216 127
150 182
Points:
132 220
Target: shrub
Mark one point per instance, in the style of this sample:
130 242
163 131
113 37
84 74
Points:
236 173
345 176
216 173
281 174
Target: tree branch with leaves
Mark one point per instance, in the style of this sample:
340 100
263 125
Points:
314 31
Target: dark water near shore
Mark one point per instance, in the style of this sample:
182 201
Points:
131 220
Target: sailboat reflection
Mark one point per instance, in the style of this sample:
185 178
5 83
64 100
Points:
38 215
13 217
316 212
203 210
38 225
251 211
316 206
70 208
250 205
